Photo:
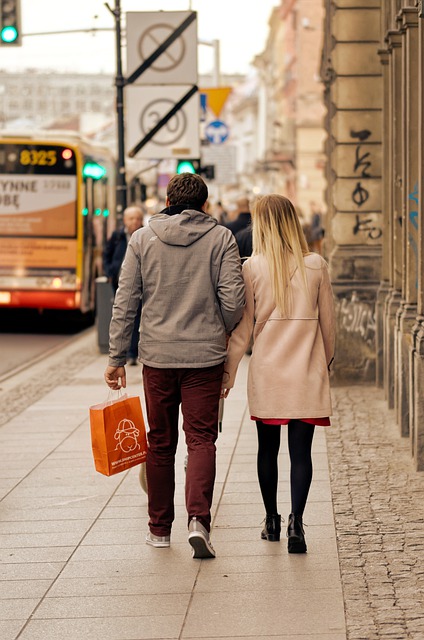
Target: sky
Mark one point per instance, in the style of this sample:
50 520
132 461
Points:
240 26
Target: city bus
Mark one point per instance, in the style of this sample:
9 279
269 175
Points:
56 211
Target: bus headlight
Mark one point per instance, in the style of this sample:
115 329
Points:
57 283
65 281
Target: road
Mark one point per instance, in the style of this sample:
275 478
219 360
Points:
26 338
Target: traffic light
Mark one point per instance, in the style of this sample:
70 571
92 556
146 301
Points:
10 23
188 165
193 165
93 170
208 171
137 190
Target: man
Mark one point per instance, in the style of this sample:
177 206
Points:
243 218
188 269
244 242
113 256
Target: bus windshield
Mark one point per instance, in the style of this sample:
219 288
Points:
38 190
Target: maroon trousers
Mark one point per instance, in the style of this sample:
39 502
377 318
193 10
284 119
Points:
198 392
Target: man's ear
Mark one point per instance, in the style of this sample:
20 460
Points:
167 203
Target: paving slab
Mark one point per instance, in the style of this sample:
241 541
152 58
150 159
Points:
9 629
149 627
112 606
30 588
72 541
259 614
34 571
139 584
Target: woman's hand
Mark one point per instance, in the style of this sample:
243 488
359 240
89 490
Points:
115 378
224 392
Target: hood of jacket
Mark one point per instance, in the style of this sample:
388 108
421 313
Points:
182 229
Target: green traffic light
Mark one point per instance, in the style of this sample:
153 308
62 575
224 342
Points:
9 34
185 167
93 170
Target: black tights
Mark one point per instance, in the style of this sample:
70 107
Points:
300 435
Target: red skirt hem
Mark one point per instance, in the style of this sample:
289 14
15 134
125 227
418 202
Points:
320 422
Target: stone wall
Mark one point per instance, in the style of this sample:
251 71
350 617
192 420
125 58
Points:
353 79
373 68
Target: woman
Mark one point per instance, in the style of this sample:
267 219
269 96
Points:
290 311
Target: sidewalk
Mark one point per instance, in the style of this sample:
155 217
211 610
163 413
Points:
74 562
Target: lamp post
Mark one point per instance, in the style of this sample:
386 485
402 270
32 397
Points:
216 59
121 183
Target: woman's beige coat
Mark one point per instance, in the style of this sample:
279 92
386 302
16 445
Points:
288 370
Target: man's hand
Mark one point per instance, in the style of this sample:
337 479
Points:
116 378
224 392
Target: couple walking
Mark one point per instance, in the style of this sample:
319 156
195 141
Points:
195 294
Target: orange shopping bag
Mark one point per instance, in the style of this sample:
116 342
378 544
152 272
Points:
118 434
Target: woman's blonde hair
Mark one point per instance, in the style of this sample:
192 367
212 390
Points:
278 235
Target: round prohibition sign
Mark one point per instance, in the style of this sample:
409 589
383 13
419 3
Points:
172 130
152 38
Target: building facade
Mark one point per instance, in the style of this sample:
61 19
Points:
290 107
43 98
373 69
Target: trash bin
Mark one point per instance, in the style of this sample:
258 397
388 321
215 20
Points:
104 304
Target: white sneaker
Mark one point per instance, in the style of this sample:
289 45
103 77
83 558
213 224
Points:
198 537
158 541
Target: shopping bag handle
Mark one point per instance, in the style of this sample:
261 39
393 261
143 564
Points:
111 392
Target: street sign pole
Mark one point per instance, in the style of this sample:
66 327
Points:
121 183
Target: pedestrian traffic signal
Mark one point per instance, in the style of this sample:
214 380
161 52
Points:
189 165
93 170
193 165
10 23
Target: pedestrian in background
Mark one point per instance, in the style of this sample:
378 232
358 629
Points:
113 257
242 217
187 267
219 213
245 246
290 311
313 230
242 228
317 231
244 242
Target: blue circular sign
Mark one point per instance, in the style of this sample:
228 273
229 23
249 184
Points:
217 132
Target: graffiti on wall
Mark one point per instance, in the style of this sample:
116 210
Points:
368 226
413 226
361 167
360 194
357 316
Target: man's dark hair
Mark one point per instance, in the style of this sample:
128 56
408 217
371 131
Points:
188 189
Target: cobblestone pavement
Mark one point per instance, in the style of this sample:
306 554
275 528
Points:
378 507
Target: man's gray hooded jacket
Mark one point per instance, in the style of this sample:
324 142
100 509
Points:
187 269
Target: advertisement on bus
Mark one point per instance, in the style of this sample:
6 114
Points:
38 203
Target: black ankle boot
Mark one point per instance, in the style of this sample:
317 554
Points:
296 535
271 531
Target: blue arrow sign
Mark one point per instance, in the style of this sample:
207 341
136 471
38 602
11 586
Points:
217 132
